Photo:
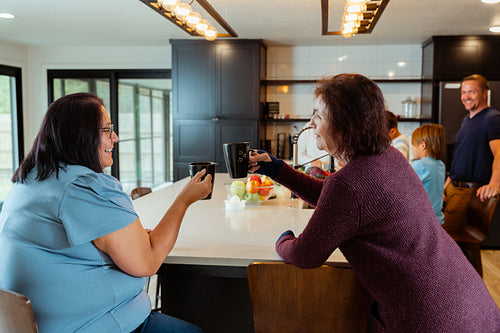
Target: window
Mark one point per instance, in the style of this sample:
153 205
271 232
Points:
11 126
144 141
139 105
99 87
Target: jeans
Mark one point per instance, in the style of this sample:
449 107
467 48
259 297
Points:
161 323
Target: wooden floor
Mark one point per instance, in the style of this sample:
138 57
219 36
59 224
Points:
491 273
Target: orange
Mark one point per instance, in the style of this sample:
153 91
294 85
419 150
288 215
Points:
265 187
253 186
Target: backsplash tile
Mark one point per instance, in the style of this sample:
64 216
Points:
375 61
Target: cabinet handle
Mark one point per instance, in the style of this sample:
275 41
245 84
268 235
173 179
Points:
215 119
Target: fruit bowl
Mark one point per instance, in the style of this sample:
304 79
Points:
252 191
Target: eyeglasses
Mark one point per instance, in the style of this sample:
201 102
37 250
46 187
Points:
109 130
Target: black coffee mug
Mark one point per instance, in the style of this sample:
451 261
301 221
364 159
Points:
195 167
236 157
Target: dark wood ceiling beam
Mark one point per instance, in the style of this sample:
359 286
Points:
370 17
206 6
212 12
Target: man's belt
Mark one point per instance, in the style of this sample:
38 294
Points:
457 183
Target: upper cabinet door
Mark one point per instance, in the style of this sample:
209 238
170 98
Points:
237 80
455 59
193 79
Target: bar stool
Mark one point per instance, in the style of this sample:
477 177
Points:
139 192
16 313
476 230
286 298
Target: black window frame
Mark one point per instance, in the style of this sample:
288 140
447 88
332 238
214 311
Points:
113 75
16 72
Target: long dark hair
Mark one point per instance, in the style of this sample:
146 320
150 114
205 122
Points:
69 134
355 116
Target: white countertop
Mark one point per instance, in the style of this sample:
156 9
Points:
211 235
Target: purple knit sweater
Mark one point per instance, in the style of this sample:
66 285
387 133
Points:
377 212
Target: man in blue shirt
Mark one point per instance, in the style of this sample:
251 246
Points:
475 169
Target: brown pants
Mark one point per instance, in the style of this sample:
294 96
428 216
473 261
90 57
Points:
455 220
455 211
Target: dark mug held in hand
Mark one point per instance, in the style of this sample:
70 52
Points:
236 157
195 167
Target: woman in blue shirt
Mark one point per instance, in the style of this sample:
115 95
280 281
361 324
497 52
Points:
428 144
70 239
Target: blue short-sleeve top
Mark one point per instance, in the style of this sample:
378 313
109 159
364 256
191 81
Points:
46 252
431 173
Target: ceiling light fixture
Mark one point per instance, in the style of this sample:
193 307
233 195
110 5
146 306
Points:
360 17
182 15
490 1
7 15
494 28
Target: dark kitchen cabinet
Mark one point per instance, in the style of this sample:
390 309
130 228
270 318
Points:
201 140
238 74
193 81
216 98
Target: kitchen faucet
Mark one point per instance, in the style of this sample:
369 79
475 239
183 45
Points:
296 164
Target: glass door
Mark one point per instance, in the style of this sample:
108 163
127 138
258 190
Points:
145 142
11 133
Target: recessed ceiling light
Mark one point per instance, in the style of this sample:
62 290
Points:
490 1
7 15
495 28
401 64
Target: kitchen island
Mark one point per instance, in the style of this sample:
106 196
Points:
212 235
204 277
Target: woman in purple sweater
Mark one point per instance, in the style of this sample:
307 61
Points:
376 211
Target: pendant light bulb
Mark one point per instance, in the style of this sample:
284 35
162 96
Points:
193 19
201 27
211 33
168 5
182 11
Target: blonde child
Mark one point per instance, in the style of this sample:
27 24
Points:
428 146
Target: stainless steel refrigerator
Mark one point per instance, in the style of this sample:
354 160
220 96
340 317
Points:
451 114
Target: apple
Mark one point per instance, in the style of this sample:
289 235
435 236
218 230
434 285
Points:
316 172
251 197
238 188
255 178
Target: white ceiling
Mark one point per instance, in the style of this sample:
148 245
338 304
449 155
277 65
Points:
277 22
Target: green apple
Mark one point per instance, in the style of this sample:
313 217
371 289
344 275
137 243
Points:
251 197
238 188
